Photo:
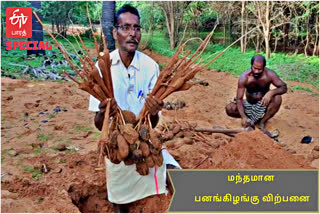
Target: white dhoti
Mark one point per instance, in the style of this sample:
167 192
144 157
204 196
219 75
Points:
126 185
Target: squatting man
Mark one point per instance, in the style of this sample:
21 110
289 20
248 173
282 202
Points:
134 75
261 103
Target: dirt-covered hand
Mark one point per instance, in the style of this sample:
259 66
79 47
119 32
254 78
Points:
245 122
154 104
113 107
266 99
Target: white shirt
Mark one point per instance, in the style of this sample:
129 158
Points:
124 184
130 85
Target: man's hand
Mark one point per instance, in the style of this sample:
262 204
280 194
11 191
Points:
154 105
245 122
266 98
113 107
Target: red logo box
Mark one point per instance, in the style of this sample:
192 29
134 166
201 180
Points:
19 22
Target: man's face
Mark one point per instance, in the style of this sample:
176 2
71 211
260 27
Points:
127 32
257 69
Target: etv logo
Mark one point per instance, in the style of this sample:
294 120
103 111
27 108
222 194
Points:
19 22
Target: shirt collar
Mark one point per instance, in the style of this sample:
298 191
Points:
134 63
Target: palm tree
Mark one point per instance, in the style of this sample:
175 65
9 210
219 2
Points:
37 31
107 22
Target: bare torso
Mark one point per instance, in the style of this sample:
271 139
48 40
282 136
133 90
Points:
255 84
256 88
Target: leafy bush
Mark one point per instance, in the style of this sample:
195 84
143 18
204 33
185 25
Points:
13 62
293 68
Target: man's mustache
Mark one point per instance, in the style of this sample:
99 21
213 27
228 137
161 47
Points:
135 41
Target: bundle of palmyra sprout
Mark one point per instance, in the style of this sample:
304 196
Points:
127 138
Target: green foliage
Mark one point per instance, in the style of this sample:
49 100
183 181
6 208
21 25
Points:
148 12
43 137
95 11
19 57
82 128
161 65
297 87
71 43
54 148
198 12
160 44
73 150
38 151
36 62
3 119
5 4
12 57
294 67
68 12
96 135
36 174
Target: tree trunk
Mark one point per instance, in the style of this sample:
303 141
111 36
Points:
230 31
267 44
267 31
173 11
3 34
151 26
57 27
308 35
285 37
275 44
246 36
224 32
296 44
107 22
167 8
258 43
316 45
265 22
307 42
172 26
285 30
243 3
52 26
37 31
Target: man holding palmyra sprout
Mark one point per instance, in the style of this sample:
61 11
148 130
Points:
134 75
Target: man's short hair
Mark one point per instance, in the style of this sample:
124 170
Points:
258 57
124 9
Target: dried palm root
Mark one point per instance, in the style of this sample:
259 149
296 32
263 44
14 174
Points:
176 76
142 148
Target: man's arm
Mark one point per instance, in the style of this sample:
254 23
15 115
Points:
240 94
281 88
154 105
